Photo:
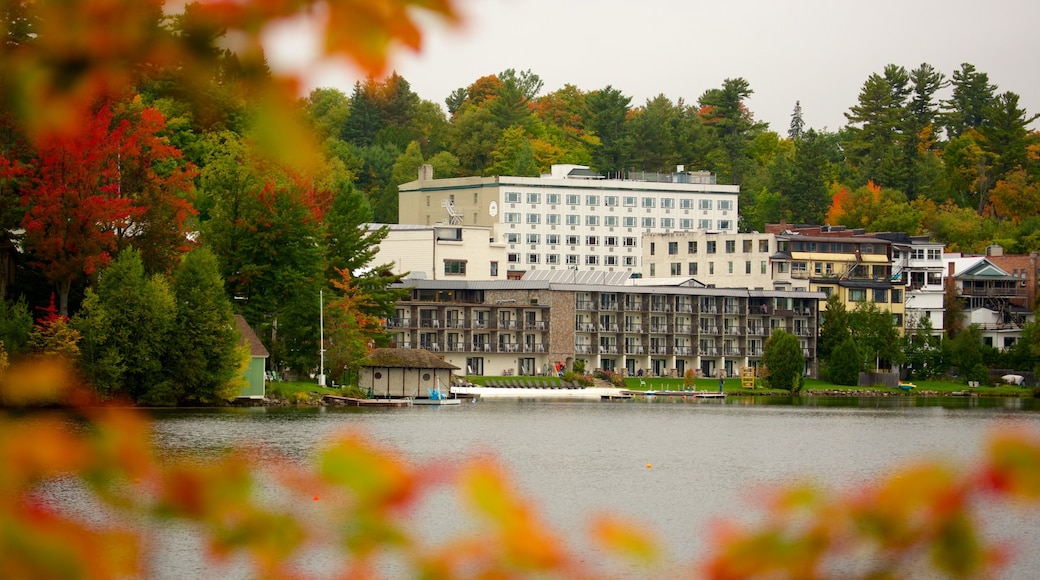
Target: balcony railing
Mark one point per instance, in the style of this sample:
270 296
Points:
659 328
708 351
429 323
583 349
508 324
536 325
659 350
683 307
754 352
535 347
710 330
456 323
395 322
634 306
608 349
634 327
635 349
586 305
683 329
683 351
756 331
733 351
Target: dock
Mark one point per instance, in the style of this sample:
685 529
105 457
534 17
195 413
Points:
682 394
355 402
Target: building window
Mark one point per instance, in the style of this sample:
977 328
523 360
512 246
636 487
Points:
533 258
686 224
611 221
552 239
676 269
896 296
630 242
704 204
592 200
667 203
534 238
512 238
454 267
610 200
534 218
630 261
704 224
573 199
610 241
880 295
763 245
668 223
691 247
747 246
691 268
725 204
512 197
648 222
764 266
711 247
552 198
653 269
897 320
711 268
553 219
494 269
513 258
934 254
629 201
592 220
534 197
512 218
572 240
649 202
747 267
630 222
673 248
610 260
917 254
572 260
652 246
573 220
857 295
592 240
552 259
592 260
729 267
725 224
731 246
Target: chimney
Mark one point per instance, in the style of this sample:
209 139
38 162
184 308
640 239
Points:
425 172
995 250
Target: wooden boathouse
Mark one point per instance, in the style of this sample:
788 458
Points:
402 372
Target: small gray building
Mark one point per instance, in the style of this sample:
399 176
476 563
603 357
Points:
403 372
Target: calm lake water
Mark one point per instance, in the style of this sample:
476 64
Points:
709 459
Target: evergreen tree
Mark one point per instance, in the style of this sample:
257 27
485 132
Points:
782 356
794 132
845 364
972 93
608 120
835 328
204 361
126 325
732 125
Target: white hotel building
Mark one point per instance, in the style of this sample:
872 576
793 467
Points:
572 218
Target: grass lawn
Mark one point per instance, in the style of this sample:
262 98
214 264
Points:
295 390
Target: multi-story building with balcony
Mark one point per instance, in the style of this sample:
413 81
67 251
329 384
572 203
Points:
855 267
991 298
547 319
572 218
917 264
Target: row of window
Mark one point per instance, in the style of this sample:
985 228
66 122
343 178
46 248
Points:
572 240
573 259
592 200
711 247
611 221
693 268
920 253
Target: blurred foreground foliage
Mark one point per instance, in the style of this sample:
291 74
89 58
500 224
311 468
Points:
356 498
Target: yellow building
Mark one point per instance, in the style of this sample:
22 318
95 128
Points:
856 268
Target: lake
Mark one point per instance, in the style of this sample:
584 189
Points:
709 459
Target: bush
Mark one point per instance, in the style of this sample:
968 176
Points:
611 377
845 364
783 357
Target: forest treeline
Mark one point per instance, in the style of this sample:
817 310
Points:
190 149
963 169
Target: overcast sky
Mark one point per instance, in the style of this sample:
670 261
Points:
814 51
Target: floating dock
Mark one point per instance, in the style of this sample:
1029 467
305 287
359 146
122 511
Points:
681 394
355 402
